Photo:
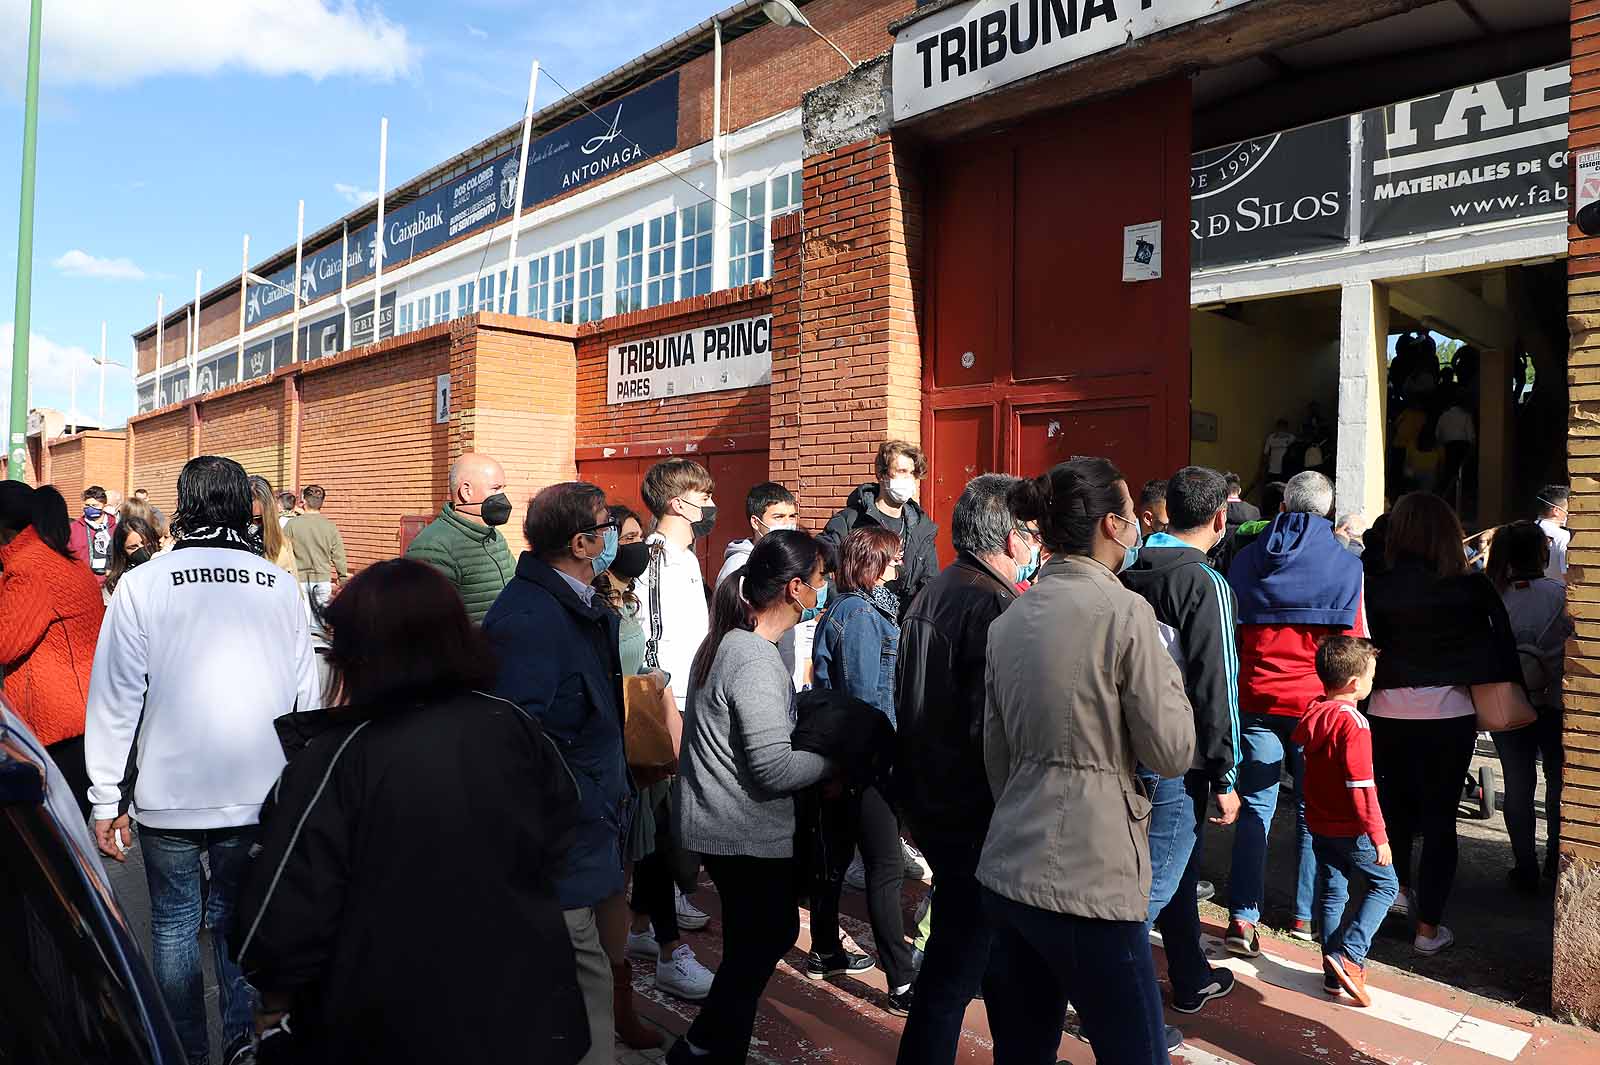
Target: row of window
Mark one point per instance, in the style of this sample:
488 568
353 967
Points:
664 259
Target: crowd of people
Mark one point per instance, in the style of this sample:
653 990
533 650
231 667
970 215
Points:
540 753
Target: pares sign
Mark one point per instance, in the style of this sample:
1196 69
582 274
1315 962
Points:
640 126
970 48
714 358
1480 153
1271 196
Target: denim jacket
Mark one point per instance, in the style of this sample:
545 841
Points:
855 651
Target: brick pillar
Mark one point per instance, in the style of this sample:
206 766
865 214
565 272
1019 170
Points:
1575 981
514 395
784 421
859 347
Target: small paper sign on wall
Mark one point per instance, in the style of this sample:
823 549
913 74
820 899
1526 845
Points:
1141 252
1587 182
441 399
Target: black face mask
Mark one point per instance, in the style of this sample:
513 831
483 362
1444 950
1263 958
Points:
496 510
708 521
139 557
631 561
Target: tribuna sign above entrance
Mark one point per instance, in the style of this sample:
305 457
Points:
960 51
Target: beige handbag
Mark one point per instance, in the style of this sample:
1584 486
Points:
1502 706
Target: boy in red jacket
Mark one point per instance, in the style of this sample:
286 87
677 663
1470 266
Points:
1347 832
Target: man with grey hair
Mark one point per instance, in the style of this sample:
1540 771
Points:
944 791
1296 584
464 541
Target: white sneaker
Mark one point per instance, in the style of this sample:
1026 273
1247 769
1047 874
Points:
916 865
856 876
683 975
644 945
1429 946
691 918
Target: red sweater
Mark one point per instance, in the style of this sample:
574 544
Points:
1278 665
52 608
1341 793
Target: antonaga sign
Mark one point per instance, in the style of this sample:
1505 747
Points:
711 358
970 48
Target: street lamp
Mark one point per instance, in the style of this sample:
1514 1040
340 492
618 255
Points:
784 13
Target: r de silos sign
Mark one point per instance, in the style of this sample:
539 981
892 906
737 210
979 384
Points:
961 51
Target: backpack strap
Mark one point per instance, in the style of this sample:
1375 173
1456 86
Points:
653 643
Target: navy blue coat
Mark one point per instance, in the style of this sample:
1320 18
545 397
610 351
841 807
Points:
559 661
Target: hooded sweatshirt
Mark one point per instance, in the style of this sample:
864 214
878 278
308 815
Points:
914 527
1341 793
1195 614
1296 584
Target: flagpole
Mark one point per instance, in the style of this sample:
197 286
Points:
22 314
102 414
299 240
194 335
522 177
244 291
378 246
72 396
344 272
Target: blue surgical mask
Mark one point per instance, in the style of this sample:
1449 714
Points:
1130 555
608 553
92 513
807 613
1026 571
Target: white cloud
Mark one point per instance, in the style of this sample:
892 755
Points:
76 263
473 31
50 366
354 195
114 42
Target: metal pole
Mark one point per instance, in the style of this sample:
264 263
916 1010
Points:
194 336
244 291
102 415
719 212
299 283
161 330
522 176
22 316
72 396
344 272
379 243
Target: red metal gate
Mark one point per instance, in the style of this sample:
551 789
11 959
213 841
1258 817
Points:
1035 349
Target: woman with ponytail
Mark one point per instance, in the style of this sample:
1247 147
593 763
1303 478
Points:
1081 690
738 774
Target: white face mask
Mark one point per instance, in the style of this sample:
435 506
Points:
901 489
780 526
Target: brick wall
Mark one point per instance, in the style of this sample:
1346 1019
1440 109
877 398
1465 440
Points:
849 375
252 426
75 462
159 446
1576 978
676 419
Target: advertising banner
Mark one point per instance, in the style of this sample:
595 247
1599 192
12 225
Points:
639 126
1270 197
713 358
1480 153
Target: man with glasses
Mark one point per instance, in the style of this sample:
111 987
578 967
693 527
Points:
572 683
944 790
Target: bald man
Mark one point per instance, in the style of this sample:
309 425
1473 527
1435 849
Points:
464 541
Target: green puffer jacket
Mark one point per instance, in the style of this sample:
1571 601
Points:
475 557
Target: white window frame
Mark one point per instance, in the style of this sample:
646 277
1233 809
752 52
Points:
441 306
564 284
661 259
697 248
465 292
793 192
486 292
508 291
424 312
539 287
402 318
592 279
630 269
747 235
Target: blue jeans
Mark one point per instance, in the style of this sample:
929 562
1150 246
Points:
1265 743
1042 960
1177 818
172 869
957 956
1341 859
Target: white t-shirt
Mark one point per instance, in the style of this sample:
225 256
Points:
1559 539
1422 704
1276 446
1455 427
685 617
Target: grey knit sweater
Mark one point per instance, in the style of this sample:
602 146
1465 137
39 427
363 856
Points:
738 772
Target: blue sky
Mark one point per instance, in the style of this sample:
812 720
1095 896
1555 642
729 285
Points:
169 128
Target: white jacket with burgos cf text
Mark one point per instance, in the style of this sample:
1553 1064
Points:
201 648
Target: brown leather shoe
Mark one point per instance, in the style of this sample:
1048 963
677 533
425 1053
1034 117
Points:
1351 977
631 1030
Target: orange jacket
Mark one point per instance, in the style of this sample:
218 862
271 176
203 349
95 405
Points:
52 610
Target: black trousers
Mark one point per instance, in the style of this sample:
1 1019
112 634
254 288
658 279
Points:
957 961
69 758
869 822
1421 766
653 881
760 923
